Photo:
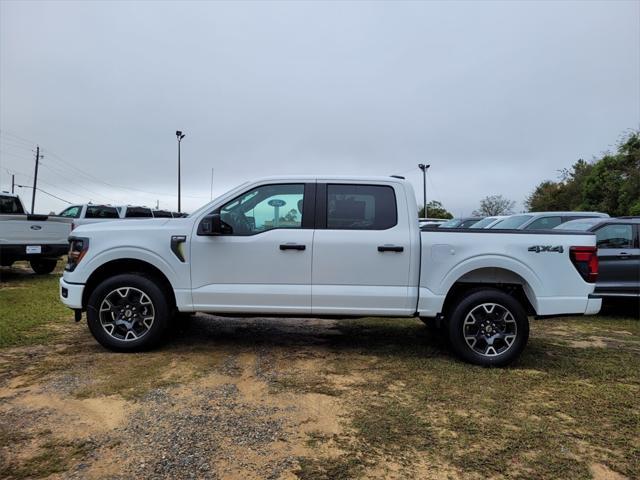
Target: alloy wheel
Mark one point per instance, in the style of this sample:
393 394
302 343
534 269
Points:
127 314
490 329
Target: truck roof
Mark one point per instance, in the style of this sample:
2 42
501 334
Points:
355 178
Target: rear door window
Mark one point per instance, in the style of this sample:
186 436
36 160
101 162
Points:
361 207
615 236
544 223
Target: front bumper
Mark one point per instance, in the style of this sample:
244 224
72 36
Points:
71 294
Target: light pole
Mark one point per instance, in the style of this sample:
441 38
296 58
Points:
424 169
179 136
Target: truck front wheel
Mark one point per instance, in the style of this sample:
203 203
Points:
43 266
128 313
488 327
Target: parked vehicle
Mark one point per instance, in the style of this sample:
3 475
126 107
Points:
90 213
162 214
132 211
430 222
618 242
463 222
39 239
326 246
542 220
488 222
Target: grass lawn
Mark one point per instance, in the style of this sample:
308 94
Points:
568 408
30 311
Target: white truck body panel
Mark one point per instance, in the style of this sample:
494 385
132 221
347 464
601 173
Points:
24 236
340 272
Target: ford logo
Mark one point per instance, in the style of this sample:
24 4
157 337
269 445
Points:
36 227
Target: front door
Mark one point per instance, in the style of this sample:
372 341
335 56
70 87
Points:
263 261
361 250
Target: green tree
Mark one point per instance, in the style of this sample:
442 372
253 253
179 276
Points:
610 184
493 205
435 209
613 185
565 194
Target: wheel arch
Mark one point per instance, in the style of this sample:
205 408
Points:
127 265
498 278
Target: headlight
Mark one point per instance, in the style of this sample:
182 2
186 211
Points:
77 249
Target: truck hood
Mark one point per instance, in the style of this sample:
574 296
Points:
123 225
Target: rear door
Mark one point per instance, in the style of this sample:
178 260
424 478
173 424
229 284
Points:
619 259
361 250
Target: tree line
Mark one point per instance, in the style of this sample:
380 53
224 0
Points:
609 184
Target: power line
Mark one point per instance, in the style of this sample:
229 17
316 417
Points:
29 177
61 174
45 192
84 173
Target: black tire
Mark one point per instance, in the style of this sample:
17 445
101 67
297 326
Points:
479 301
43 266
138 282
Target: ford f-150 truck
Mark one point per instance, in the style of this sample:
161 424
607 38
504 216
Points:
39 239
326 246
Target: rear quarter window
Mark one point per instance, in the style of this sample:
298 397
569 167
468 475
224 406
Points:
10 205
361 207
101 212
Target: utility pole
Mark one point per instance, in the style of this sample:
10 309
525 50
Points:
424 169
35 179
13 182
179 136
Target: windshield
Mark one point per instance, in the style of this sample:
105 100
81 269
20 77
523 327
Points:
483 223
512 222
582 225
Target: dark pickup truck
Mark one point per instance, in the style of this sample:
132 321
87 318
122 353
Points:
618 241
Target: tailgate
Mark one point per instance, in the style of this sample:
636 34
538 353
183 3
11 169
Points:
34 229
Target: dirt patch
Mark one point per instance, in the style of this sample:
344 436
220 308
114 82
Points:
602 472
293 398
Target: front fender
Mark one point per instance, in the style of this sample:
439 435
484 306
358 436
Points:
84 270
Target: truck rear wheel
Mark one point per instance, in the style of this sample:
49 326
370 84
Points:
128 313
43 266
488 327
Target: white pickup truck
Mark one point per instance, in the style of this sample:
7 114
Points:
326 246
39 239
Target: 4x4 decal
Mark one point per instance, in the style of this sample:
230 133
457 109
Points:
546 248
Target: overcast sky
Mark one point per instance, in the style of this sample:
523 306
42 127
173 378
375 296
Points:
496 96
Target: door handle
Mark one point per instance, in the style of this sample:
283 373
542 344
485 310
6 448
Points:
624 255
390 248
292 246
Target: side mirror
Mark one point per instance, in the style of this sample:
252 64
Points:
210 225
